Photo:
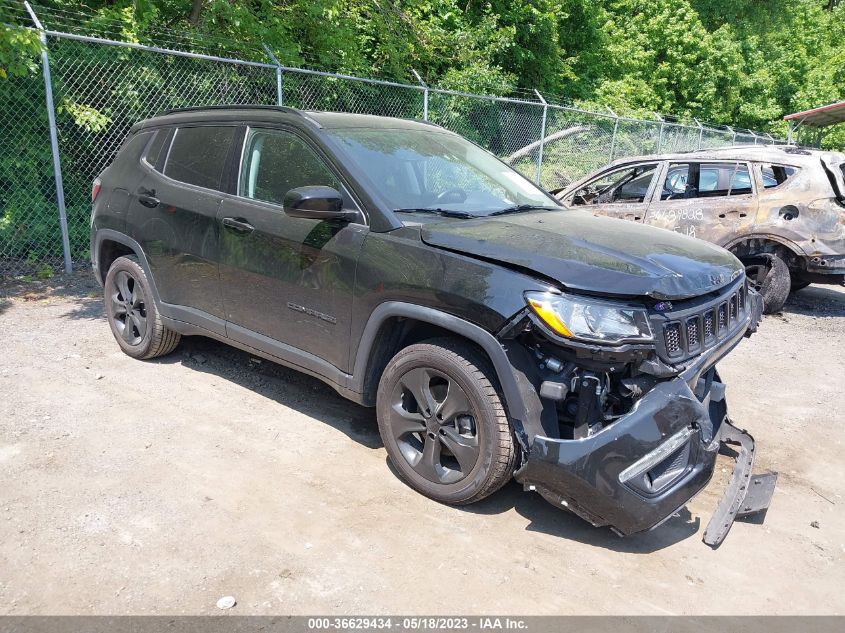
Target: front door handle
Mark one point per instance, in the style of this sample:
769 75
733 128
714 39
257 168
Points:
238 224
147 197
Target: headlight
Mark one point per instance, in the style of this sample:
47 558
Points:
590 320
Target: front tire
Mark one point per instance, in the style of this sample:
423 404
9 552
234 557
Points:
443 422
768 274
132 313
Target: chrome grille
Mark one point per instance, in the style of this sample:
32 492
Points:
688 331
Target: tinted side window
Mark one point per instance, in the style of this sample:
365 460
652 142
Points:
275 162
774 175
133 146
155 148
198 155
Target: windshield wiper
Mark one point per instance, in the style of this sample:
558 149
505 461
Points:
521 208
444 212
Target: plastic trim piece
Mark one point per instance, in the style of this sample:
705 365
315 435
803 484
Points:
739 500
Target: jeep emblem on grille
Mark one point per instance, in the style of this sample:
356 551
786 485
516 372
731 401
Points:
663 306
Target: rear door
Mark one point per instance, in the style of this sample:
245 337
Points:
175 215
713 201
619 193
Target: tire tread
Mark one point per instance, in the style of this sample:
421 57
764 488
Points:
480 370
163 340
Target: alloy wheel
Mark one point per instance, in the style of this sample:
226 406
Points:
129 309
434 425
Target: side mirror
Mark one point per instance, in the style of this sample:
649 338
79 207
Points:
316 203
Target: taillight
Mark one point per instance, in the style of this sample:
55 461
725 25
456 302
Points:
95 189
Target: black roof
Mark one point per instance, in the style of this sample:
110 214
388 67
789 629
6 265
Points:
272 113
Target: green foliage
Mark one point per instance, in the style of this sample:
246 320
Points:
741 62
19 48
45 271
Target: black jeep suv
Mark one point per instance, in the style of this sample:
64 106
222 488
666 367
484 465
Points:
496 334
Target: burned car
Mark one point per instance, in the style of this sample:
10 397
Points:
496 334
779 209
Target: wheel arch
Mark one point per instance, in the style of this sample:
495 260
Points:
761 243
109 245
394 325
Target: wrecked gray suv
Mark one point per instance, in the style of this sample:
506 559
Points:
496 334
779 209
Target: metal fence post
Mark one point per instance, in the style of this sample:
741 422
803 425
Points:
54 139
615 130
425 94
700 132
660 134
542 136
280 97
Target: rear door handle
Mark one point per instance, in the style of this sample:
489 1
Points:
238 224
147 197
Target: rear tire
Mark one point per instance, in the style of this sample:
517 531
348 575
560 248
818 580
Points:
768 274
132 313
443 422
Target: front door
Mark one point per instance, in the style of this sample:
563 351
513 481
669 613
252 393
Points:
290 280
619 193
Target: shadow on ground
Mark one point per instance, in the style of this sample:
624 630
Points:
311 397
823 301
79 287
546 518
287 387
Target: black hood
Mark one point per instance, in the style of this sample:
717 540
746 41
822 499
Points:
593 254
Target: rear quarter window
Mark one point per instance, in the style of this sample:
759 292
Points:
133 146
776 175
198 155
156 148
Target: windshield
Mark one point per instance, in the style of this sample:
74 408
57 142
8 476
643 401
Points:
432 171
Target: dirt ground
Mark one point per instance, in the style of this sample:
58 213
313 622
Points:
157 487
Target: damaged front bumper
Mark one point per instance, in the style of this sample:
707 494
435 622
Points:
640 470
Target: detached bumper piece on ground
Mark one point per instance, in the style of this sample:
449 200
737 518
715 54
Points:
747 494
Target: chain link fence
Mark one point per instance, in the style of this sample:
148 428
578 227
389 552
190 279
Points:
102 87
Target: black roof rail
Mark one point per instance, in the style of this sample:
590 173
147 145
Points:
276 108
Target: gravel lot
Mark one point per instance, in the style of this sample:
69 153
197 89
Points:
157 487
